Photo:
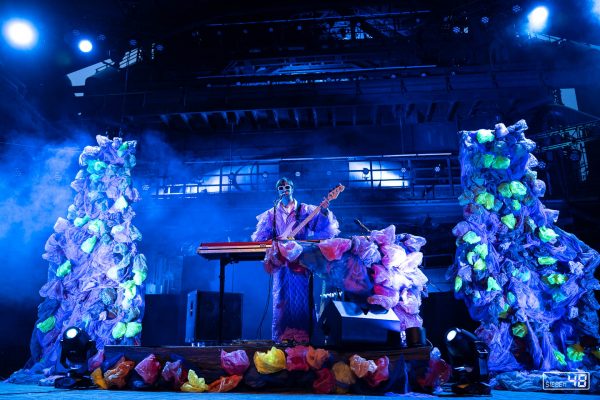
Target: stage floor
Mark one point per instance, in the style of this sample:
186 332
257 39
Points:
32 392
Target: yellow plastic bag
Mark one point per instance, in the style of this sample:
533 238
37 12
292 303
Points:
270 362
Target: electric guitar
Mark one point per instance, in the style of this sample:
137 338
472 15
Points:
332 195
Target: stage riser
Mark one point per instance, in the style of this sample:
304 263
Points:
206 361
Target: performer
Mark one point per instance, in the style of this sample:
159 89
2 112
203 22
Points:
292 314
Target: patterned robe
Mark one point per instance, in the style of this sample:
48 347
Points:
292 314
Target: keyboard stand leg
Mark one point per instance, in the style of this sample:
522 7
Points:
222 264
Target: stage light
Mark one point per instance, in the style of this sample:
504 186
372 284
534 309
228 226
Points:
516 9
298 173
76 349
538 18
456 29
20 34
469 360
485 20
85 46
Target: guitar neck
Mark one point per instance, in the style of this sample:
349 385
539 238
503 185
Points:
306 221
332 195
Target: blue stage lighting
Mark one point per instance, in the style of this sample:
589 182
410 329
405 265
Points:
538 19
20 33
85 46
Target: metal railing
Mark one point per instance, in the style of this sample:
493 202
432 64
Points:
415 175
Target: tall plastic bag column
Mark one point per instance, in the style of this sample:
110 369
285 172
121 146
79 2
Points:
95 274
529 283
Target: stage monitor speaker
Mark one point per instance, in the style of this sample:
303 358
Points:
164 320
344 323
202 318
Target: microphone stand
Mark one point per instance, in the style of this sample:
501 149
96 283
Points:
357 221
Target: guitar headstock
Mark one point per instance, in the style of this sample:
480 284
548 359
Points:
335 192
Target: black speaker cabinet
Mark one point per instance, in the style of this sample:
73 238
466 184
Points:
164 320
202 318
344 323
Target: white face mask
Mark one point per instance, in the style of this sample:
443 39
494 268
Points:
284 190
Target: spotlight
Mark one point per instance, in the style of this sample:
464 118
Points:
456 29
133 42
403 170
298 173
485 20
85 46
538 18
437 169
76 349
20 33
516 9
469 360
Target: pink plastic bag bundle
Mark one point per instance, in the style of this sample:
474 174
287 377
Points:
324 383
296 358
382 372
235 362
333 249
149 369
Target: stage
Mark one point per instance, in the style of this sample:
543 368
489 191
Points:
32 392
